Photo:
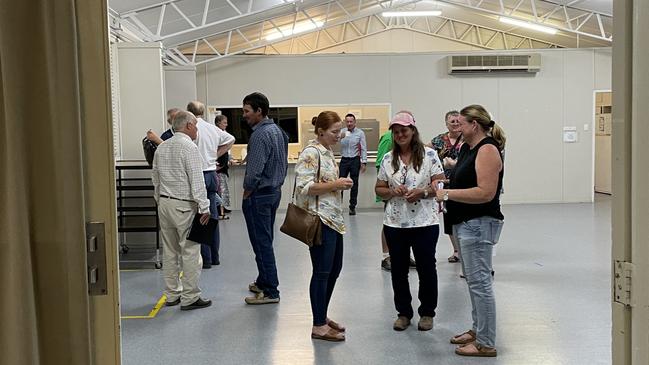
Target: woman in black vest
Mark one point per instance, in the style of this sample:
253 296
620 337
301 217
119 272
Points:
473 206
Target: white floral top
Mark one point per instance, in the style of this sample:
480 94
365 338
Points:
398 212
306 170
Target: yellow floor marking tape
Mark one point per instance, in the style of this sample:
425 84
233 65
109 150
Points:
155 309
153 312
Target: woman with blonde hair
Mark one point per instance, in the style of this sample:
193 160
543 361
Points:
410 219
318 190
473 207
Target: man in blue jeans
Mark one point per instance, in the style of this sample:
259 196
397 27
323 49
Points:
265 173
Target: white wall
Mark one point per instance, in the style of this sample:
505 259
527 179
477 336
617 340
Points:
141 97
532 110
180 86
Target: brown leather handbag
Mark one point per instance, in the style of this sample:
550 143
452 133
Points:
302 224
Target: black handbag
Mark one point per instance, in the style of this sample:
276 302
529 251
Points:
302 224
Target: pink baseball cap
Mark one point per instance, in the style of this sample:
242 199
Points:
402 118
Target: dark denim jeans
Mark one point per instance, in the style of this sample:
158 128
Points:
327 261
423 241
351 166
210 250
259 211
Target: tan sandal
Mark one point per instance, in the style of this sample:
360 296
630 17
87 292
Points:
462 338
331 335
334 325
476 350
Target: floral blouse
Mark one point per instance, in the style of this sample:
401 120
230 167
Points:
442 144
398 212
306 170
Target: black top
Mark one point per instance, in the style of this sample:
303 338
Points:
223 161
464 177
167 134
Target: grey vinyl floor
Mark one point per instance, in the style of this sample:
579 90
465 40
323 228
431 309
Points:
552 290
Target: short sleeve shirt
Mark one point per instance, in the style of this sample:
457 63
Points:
306 172
398 212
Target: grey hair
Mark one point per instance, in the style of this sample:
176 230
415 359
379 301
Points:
181 119
453 113
196 107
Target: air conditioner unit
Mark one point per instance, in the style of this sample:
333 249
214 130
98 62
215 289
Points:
472 64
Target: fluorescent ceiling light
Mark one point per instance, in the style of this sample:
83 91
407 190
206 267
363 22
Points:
299 28
388 14
524 24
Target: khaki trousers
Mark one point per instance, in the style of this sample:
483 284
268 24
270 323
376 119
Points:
178 253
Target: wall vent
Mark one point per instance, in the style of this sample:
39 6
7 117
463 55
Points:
472 64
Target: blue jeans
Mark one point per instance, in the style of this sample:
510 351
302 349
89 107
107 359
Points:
423 241
476 238
210 250
327 261
259 211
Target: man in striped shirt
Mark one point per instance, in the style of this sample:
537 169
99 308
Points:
180 192
265 173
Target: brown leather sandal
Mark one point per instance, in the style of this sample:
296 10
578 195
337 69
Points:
331 335
476 350
336 326
461 339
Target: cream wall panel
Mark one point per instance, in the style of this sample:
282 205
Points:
603 66
531 113
578 182
180 86
398 40
533 110
420 84
141 95
293 80
201 82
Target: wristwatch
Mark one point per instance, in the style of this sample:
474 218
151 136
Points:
445 195
425 193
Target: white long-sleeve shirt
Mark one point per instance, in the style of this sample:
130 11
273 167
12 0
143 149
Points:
177 172
353 144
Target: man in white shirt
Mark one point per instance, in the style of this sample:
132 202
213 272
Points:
212 143
179 190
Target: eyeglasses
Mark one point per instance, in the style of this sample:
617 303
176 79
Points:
404 174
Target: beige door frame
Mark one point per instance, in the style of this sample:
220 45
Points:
631 177
99 171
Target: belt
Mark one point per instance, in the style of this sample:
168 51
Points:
172 198
267 190
350 158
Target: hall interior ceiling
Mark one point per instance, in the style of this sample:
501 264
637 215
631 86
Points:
200 31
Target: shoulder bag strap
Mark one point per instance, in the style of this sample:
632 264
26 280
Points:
317 200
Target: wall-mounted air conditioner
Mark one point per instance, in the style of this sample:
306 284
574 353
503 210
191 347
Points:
516 63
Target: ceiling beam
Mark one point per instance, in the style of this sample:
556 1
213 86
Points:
564 25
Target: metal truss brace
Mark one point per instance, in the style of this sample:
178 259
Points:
564 17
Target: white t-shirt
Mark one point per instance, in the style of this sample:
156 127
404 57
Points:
398 212
209 138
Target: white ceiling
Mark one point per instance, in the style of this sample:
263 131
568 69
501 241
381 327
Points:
227 24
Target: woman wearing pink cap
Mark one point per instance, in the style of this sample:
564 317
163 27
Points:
410 219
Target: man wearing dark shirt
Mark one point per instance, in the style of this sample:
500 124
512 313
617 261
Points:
265 173
153 137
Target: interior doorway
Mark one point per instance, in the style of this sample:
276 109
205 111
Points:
603 153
